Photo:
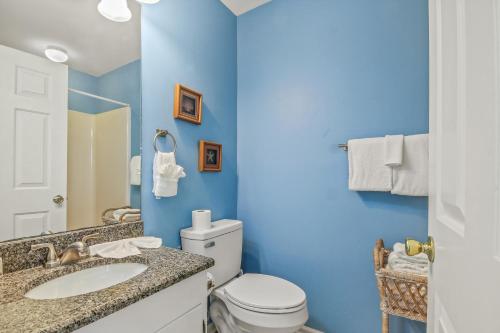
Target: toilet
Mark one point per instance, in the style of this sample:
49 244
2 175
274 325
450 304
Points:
244 303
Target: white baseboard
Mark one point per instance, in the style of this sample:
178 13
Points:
211 329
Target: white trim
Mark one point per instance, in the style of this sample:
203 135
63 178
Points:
97 97
129 152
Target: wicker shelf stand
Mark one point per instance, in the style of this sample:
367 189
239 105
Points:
401 294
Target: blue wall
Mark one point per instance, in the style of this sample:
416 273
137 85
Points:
84 82
122 84
192 42
312 74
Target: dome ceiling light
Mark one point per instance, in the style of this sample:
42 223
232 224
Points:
56 54
115 10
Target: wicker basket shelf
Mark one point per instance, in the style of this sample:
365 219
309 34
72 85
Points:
401 294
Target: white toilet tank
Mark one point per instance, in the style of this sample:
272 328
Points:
223 242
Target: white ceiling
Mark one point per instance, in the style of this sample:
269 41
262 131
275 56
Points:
95 45
239 7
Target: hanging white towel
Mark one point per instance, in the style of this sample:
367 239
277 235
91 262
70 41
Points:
412 177
367 169
166 174
393 150
135 170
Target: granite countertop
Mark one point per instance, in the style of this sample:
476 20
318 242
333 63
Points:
19 314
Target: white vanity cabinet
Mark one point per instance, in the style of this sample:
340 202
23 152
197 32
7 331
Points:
180 308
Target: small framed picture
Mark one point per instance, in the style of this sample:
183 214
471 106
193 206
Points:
187 104
210 156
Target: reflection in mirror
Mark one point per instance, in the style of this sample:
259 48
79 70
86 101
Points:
69 117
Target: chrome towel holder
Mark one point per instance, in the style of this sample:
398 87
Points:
160 133
343 146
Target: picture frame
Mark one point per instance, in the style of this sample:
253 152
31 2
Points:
188 104
210 156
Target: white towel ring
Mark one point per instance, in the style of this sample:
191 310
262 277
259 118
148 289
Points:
163 133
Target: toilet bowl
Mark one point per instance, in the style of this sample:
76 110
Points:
257 303
250 303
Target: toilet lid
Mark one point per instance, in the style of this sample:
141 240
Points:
265 292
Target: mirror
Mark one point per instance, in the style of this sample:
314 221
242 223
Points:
70 116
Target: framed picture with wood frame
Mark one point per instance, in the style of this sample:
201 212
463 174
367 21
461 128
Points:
188 104
210 157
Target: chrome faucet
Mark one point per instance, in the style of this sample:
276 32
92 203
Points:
52 259
77 250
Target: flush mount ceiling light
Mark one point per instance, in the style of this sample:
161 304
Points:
115 10
148 2
56 54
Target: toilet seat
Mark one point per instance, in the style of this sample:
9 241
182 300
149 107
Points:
260 303
265 294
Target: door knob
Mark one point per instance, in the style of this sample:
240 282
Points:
58 200
414 247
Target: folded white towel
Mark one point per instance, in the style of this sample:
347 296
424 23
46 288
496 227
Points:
124 247
393 150
412 177
146 242
399 261
400 250
409 268
117 249
135 170
367 169
166 174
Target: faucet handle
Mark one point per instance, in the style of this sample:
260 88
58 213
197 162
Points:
82 246
52 259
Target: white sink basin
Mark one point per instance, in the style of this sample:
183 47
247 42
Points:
86 281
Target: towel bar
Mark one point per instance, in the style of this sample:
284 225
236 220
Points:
343 146
163 133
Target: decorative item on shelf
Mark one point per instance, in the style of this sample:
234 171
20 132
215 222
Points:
188 104
402 294
210 156
120 215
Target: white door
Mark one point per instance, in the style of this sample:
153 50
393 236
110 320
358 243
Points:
33 131
465 145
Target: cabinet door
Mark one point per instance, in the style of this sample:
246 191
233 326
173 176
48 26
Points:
191 322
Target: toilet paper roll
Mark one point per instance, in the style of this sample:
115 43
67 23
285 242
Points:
202 219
